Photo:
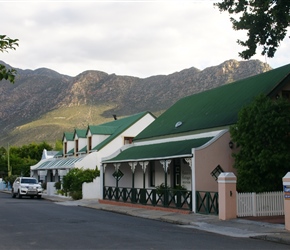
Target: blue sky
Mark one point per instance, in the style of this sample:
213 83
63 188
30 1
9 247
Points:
136 38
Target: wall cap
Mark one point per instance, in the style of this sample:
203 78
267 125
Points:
286 179
227 177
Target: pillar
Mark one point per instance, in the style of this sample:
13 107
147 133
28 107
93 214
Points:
133 166
144 165
193 182
286 186
103 180
165 164
227 182
133 189
117 166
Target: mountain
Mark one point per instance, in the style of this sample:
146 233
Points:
42 103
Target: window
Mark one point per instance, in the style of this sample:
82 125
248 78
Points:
128 140
286 94
33 181
65 148
89 143
76 146
177 173
216 172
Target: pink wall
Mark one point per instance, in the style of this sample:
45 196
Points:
208 158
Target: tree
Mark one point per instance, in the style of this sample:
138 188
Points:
33 150
21 158
262 135
58 145
7 43
265 20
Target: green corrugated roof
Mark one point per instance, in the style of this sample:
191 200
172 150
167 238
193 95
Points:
214 108
71 152
115 128
102 129
173 149
83 150
59 153
68 136
81 133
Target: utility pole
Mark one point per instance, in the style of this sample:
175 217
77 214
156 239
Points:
8 161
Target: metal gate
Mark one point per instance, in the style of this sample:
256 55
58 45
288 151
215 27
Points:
207 202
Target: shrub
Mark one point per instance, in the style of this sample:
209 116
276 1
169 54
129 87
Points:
43 185
161 188
76 195
73 181
57 185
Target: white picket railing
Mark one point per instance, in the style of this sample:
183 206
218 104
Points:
263 204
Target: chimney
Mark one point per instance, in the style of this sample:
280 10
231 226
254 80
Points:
115 117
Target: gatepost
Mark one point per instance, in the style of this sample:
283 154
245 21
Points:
227 183
286 186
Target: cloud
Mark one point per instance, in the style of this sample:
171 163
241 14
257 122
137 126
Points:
140 38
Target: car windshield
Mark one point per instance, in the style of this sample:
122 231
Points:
32 181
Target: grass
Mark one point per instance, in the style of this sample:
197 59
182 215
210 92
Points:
51 126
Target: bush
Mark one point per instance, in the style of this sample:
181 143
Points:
73 181
161 188
57 185
43 185
61 192
262 137
76 195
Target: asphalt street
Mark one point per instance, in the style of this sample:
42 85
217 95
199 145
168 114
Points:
42 224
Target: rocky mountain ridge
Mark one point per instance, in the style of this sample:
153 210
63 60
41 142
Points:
41 91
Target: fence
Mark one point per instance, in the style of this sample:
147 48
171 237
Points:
4 186
263 204
172 198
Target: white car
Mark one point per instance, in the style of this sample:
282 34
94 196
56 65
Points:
26 186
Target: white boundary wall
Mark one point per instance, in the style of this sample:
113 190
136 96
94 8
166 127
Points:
263 204
50 188
92 190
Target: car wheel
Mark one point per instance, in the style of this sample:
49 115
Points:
31 197
13 194
19 196
38 196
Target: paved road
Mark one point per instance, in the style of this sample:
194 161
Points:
40 224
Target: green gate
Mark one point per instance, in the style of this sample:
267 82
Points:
207 202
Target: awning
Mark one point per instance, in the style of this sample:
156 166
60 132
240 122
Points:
166 150
56 163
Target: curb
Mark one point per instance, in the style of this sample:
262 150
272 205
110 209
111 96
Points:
278 238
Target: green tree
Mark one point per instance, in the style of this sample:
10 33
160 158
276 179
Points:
21 166
21 158
262 135
7 43
32 151
3 162
58 145
265 20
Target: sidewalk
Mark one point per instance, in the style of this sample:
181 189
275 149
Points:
210 223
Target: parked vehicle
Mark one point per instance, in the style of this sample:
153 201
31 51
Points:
26 186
